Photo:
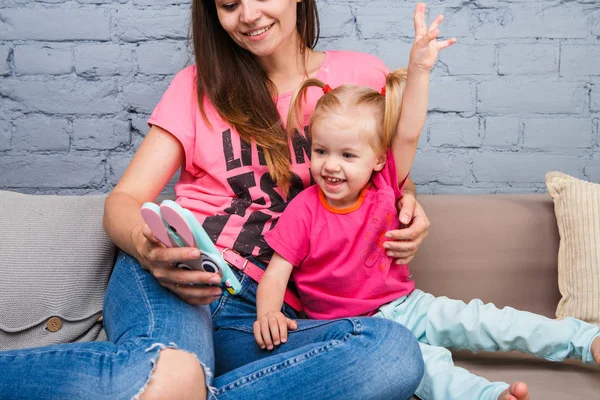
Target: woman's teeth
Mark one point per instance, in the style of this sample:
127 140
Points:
258 32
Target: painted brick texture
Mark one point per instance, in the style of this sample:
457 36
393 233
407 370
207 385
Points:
518 95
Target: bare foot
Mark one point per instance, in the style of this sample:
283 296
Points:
516 391
596 349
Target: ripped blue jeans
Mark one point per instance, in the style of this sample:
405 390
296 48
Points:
353 358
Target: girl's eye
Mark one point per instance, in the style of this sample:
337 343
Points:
319 151
348 155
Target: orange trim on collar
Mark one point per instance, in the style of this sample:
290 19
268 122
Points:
345 210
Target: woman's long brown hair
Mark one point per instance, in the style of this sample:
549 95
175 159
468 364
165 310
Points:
232 79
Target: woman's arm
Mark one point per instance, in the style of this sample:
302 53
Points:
154 164
405 241
271 325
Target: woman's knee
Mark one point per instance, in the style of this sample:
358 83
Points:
177 375
398 350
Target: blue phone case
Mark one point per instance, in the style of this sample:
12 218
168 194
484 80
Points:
176 226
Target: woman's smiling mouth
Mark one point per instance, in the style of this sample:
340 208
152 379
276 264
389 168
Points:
259 31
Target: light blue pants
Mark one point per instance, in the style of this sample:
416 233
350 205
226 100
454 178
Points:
440 322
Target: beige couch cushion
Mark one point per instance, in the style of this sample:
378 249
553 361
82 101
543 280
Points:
55 261
577 208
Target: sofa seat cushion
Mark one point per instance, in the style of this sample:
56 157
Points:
545 379
55 261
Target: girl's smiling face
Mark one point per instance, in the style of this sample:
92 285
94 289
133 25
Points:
342 158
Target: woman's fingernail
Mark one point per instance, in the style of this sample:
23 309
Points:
404 219
195 253
386 246
388 235
214 280
390 253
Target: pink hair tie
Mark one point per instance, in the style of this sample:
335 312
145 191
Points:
382 91
326 89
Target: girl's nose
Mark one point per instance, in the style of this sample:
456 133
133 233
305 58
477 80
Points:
331 164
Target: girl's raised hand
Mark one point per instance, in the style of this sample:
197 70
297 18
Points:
424 52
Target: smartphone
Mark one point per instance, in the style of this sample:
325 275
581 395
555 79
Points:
176 226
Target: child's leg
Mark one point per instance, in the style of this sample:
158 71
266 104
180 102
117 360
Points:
445 381
477 326
442 380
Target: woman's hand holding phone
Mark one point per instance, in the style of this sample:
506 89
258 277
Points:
195 287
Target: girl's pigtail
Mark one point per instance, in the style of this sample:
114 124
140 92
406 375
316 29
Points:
394 86
295 117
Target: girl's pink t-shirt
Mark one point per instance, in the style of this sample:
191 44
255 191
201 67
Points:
225 181
341 268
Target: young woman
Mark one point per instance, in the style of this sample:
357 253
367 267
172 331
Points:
220 122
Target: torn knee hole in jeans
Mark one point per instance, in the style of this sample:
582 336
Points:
161 346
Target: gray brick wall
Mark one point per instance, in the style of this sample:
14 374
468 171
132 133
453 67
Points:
517 96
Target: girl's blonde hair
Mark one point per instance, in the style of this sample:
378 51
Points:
342 100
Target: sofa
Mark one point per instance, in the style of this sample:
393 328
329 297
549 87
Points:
499 248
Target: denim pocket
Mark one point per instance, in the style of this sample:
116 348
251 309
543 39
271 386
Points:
241 305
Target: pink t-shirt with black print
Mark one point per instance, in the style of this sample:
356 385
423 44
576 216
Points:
225 181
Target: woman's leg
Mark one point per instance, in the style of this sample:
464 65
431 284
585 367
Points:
178 334
141 319
351 358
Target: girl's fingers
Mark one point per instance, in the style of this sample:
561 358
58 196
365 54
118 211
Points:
274 328
432 35
446 43
291 324
266 335
436 23
281 330
426 40
258 335
420 26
